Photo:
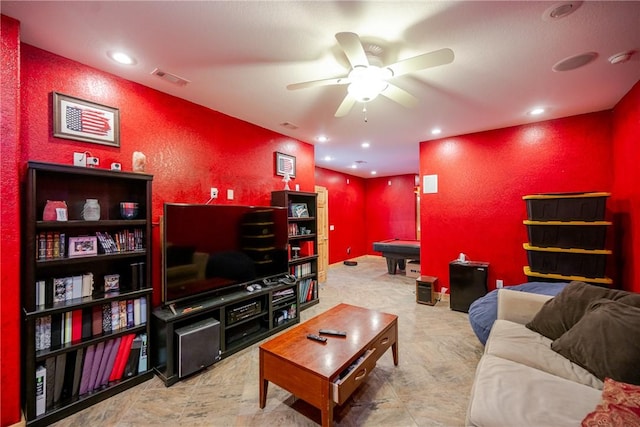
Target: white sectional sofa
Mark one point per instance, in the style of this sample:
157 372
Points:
520 381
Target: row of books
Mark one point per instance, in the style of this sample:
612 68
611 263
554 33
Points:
63 289
53 244
50 245
89 369
308 290
122 241
60 289
55 330
301 269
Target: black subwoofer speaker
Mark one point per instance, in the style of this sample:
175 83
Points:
198 346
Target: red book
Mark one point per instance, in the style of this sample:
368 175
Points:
306 248
76 325
121 357
310 292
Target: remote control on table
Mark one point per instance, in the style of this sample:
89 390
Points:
316 338
333 332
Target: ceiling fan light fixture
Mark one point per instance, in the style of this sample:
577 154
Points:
367 82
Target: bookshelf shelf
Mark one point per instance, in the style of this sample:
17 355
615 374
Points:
303 236
87 343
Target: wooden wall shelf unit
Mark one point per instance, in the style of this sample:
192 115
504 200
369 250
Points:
59 335
303 262
272 309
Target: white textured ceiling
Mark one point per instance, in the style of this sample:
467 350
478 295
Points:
241 55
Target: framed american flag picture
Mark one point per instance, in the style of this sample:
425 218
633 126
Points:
74 118
285 165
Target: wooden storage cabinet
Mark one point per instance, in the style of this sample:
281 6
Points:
264 316
44 272
303 241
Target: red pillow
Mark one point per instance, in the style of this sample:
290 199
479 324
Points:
620 406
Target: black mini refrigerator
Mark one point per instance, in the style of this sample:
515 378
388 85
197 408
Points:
468 281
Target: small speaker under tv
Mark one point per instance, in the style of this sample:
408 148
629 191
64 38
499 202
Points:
198 346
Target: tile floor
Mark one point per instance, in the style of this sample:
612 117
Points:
438 354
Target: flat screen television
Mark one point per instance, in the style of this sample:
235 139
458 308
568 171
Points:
210 249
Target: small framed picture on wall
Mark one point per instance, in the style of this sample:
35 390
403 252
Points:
285 164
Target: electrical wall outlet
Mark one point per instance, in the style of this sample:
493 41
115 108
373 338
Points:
214 193
92 162
499 283
79 159
229 194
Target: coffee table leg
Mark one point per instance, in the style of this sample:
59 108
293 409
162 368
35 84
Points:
264 384
394 347
327 410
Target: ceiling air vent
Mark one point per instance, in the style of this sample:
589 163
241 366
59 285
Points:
289 125
171 78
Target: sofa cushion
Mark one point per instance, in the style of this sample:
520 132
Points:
620 406
506 393
484 311
606 341
559 314
515 342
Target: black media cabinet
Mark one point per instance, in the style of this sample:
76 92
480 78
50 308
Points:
245 318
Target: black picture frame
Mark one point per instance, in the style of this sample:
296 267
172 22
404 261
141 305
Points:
285 164
80 120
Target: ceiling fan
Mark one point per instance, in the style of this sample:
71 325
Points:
368 78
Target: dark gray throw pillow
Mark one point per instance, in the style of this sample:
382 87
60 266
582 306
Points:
606 341
560 313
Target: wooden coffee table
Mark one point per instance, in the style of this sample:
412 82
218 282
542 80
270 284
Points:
320 374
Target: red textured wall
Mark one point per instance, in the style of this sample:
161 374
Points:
346 214
625 199
390 209
10 359
189 148
482 177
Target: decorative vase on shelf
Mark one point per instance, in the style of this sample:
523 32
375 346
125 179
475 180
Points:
91 210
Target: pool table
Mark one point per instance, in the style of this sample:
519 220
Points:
397 251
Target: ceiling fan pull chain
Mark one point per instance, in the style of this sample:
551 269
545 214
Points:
364 111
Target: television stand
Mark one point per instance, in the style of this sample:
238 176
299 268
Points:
245 318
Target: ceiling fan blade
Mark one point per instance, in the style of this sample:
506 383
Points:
420 62
345 106
315 83
352 47
400 96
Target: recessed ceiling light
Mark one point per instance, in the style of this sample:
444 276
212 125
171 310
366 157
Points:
621 58
365 145
121 57
354 166
373 172
436 131
573 62
536 111
560 10
327 158
322 138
